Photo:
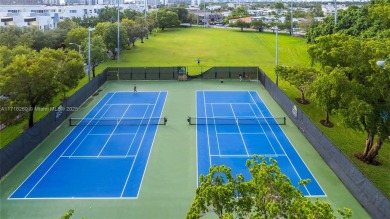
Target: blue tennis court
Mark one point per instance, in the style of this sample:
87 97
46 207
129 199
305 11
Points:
235 125
105 155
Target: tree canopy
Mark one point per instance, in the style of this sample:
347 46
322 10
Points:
366 108
167 18
268 194
368 21
33 79
298 76
98 52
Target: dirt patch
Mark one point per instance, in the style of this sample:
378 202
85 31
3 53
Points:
299 100
328 125
361 158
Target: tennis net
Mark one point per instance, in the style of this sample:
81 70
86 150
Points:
117 121
236 120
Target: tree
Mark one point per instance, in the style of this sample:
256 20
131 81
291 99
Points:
110 37
368 21
5 56
30 81
101 28
327 89
298 76
191 19
67 24
131 14
268 194
53 39
241 24
131 30
109 14
70 68
366 109
215 193
76 35
181 12
317 11
98 52
256 24
13 36
240 12
90 22
143 31
167 18
33 79
68 214
279 5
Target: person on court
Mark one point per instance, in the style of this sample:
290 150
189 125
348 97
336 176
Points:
135 88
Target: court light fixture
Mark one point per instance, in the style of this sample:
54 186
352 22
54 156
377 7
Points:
276 28
77 46
381 63
89 52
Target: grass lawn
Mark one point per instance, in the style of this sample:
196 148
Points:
228 47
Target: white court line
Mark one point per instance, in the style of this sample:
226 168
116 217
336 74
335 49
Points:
62 152
136 155
246 156
126 104
123 133
136 133
151 148
215 128
230 117
95 157
74 151
238 126
207 127
266 136
108 139
277 139
227 103
196 137
123 118
236 133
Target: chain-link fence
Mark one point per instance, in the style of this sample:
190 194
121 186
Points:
358 184
362 188
174 73
32 137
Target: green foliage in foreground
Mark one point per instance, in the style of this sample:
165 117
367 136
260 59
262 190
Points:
68 214
269 194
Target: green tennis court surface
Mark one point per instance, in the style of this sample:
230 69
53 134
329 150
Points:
168 185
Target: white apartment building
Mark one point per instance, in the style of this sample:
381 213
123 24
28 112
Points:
47 17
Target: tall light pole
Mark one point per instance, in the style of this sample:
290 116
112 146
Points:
204 13
335 12
197 17
277 58
77 46
118 52
292 25
89 52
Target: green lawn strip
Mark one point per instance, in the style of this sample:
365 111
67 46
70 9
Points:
10 133
349 142
231 47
